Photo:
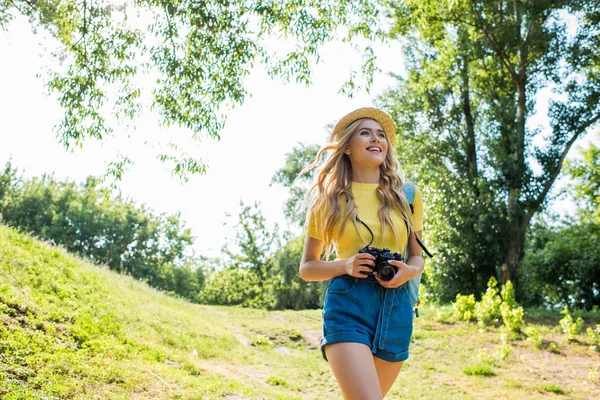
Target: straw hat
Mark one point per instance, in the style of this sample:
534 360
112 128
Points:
372 113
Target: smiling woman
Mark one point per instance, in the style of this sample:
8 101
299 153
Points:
367 317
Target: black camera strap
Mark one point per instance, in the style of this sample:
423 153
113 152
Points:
407 230
370 231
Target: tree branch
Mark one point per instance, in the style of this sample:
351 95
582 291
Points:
495 46
554 174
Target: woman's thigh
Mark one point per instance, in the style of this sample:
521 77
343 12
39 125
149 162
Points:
354 369
387 372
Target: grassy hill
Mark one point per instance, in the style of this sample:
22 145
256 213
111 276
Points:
71 330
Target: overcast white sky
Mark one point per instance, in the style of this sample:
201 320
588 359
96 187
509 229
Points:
253 145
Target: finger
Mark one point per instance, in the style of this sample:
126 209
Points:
366 263
366 255
397 263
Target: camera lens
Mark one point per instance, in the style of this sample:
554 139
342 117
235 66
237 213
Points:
386 272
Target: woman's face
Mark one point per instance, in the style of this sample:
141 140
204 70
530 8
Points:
368 146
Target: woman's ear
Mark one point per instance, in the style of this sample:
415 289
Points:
347 150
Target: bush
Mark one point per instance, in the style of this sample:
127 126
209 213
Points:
570 327
492 308
562 266
487 311
512 314
593 335
534 337
236 287
464 307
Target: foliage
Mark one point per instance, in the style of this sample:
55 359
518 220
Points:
236 286
295 161
105 228
197 55
464 307
533 336
495 306
593 336
487 311
463 112
570 327
291 291
512 313
562 266
259 272
585 174
254 243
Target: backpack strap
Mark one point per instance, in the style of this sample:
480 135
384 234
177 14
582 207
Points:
409 192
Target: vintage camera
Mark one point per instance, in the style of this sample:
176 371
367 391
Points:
385 271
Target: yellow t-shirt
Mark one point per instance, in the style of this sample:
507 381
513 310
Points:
367 203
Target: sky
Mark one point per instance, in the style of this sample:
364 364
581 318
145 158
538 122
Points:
252 148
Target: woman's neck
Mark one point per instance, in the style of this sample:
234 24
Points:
366 175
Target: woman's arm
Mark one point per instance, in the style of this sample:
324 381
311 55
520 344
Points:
415 259
313 269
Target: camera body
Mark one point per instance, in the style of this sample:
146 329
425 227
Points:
385 271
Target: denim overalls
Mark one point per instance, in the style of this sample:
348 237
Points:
361 310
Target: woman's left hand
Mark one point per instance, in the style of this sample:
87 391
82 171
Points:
404 273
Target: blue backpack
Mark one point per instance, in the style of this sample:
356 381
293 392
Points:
413 284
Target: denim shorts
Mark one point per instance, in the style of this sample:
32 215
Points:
361 310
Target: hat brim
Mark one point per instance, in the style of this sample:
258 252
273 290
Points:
372 113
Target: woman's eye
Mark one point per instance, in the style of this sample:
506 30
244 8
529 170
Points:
364 133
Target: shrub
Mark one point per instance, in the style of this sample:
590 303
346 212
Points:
512 314
236 287
593 335
487 310
534 337
570 327
464 307
495 306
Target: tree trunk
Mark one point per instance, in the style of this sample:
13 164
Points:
470 149
518 220
514 251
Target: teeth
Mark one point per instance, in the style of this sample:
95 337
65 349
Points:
374 149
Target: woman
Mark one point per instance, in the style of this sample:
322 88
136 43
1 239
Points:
367 321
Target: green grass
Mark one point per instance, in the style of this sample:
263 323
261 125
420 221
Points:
480 370
552 389
72 330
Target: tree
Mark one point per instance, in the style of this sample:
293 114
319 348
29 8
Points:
295 161
562 266
585 174
255 244
108 230
290 290
464 113
197 52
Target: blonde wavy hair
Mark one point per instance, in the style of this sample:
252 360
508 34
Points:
331 192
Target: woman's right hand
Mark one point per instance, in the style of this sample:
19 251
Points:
359 264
